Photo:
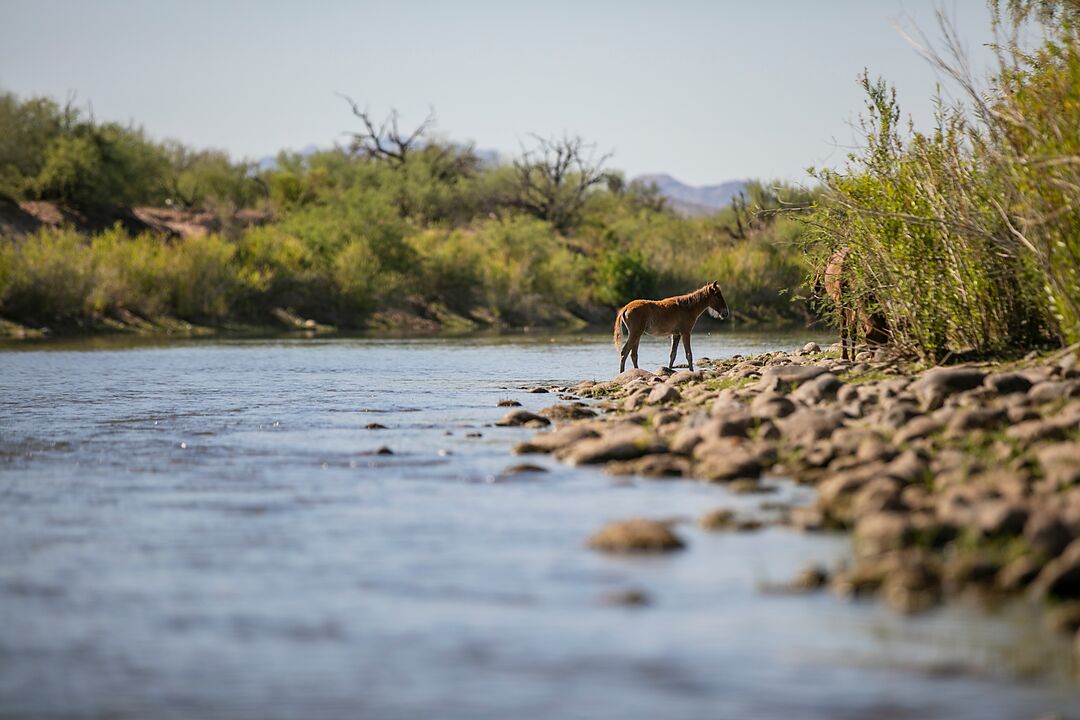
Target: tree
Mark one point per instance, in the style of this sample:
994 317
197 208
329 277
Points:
387 142
554 178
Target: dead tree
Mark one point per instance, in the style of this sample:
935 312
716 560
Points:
554 178
386 142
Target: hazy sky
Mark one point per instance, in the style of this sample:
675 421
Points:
706 91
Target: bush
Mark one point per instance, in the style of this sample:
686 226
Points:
622 276
49 276
204 279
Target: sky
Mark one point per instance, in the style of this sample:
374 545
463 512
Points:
704 91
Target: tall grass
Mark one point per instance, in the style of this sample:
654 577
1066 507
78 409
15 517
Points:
968 237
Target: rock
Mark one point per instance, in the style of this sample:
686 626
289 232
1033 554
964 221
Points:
1021 413
384 451
684 440
823 387
840 487
937 384
660 465
899 415
807 425
913 586
523 468
973 419
685 376
1064 616
785 377
552 441
771 405
863 579
1007 383
808 519
630 597
811 347
663 394
1033 431
1045 533
625 444
994 518
728 465
375 426
1051 390
878 495
732 424
632 374
883 531
538 390
746 486
637 535
907 467
722 519
508 403
809 578
1060 577
1017 574
567 411
520 417
1060 464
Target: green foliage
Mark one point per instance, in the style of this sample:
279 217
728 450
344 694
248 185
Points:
623 276
967 238
433 231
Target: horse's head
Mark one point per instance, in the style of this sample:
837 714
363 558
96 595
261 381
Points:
717 306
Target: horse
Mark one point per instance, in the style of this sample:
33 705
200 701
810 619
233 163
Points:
875 328
675 316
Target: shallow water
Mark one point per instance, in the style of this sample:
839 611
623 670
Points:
200 529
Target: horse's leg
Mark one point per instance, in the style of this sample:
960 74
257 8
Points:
689 355
674 349
635 339
633 336
843 339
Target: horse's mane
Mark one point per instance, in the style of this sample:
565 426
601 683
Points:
691 298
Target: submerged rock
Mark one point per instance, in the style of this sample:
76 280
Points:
637 535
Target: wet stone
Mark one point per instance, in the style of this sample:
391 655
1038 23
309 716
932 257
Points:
521 417
508 403
637 535
567 411
523 468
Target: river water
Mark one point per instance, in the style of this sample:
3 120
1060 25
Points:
201 529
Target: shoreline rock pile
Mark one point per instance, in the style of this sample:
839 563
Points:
950 479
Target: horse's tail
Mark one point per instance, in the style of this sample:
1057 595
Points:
618 329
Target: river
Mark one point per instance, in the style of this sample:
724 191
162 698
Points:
203 529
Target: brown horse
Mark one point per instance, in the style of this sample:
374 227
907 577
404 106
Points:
854 314
675 316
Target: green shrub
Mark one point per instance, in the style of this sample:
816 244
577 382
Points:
622 276
204 278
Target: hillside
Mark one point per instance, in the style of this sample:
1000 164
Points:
691 200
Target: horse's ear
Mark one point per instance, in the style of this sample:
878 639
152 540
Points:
716 285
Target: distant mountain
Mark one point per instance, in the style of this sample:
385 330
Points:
694 200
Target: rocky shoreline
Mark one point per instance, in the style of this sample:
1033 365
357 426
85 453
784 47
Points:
952 480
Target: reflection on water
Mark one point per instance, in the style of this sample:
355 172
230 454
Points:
202 529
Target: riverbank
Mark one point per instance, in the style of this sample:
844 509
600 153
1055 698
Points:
952 480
